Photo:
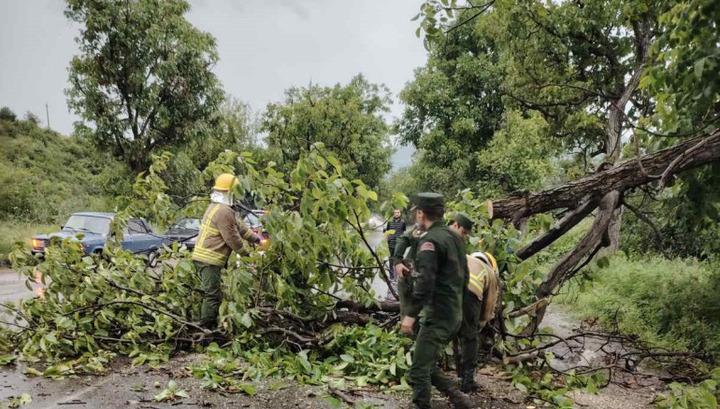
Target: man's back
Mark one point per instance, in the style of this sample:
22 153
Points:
442 251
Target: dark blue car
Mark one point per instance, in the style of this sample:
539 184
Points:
95 228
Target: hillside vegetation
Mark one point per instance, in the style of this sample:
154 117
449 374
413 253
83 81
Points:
46 176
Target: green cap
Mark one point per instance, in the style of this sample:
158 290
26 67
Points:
427 200
464 221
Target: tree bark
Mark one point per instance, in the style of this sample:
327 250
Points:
585 249
560 228
625 175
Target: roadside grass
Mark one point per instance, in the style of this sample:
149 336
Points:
668 303
14 231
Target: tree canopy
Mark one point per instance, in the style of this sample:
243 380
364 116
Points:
143 78
347 119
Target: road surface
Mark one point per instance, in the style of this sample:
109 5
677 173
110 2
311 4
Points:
12 286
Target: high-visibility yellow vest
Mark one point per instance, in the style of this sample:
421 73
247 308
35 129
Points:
480 266
207 229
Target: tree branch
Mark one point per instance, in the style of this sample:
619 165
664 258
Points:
560 228
623 176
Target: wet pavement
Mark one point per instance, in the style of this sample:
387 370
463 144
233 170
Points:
12 286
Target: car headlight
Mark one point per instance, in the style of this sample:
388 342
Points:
37 243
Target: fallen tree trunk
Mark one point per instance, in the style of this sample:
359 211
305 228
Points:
584 250
626 175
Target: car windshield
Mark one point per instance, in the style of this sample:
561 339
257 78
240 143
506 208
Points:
92 224
186 224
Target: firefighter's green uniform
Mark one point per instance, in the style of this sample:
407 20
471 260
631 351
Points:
469 337
440 277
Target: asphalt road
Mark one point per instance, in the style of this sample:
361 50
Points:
12 286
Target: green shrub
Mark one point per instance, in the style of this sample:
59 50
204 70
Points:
672 303
704 395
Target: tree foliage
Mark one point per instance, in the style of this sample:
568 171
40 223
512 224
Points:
6 114
347 119
143 80
95 307
578 66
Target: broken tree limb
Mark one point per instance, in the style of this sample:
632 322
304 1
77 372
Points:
565 268
560 228
625 175
380 306
529 309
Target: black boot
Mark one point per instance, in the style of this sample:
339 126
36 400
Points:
467 382
460 400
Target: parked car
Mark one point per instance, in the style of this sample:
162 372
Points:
185 231
138 237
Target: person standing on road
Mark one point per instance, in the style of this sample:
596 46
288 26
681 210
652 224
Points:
396 227
403 263
479 307
220 234
441 276
479 299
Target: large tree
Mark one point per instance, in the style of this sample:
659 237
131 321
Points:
348 119
143 78
577 64
615 82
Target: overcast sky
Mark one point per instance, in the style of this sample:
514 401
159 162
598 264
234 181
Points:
265 47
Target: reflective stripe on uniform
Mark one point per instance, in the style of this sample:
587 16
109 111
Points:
476 285
478 277
203 254
209 257
492 261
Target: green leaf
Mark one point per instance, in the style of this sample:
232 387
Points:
246 320
7 359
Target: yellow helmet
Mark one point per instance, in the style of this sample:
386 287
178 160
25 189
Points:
225 182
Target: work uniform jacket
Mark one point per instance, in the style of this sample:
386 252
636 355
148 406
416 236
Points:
440 277
485 285
484 280
220 234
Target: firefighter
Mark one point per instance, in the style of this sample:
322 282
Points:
220 234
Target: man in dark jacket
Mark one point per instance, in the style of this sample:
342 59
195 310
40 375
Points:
440 277
395 227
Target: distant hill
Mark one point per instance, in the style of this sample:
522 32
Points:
44 176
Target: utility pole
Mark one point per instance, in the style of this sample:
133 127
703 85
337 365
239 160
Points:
47 115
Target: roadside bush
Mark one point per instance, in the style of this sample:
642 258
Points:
672 303
704 395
